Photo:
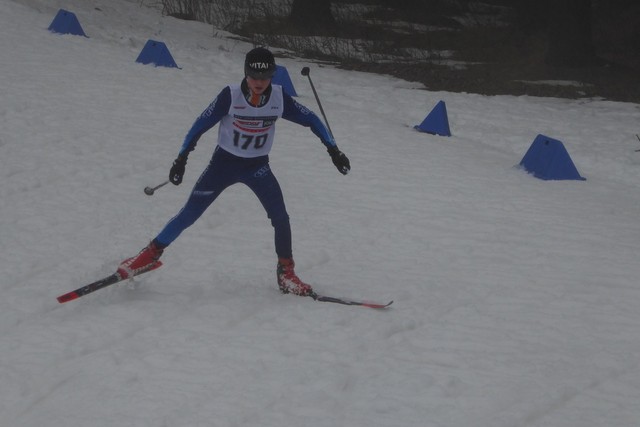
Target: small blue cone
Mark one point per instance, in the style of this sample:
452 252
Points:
281 77
66 22
436 122
156 53
548 159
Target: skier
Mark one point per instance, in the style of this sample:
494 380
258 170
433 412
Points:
247 114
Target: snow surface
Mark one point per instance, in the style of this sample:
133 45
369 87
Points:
516 299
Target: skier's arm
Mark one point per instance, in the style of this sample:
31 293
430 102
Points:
298 113
218 108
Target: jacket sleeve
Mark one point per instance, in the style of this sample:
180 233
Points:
298 113
218 108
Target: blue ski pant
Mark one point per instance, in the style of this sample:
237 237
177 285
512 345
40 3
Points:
224 170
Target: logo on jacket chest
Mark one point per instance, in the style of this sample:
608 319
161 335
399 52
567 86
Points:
254 123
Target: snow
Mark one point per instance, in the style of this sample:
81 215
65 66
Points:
516 299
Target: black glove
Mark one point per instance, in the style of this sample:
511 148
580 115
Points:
339 160
177 170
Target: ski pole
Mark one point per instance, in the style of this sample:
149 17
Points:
305 72
150 190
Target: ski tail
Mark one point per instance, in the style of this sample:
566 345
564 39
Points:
91 287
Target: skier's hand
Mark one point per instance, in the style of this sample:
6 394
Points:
340 161
177 170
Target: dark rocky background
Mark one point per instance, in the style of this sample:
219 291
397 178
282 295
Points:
558 48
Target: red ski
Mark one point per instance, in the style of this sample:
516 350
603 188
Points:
344 301
99 284
116 277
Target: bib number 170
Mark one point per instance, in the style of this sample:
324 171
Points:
244 141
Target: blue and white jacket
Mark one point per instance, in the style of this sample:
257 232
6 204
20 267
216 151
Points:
246 130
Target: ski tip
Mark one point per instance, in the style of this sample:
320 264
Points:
68 297
345 301
376 305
